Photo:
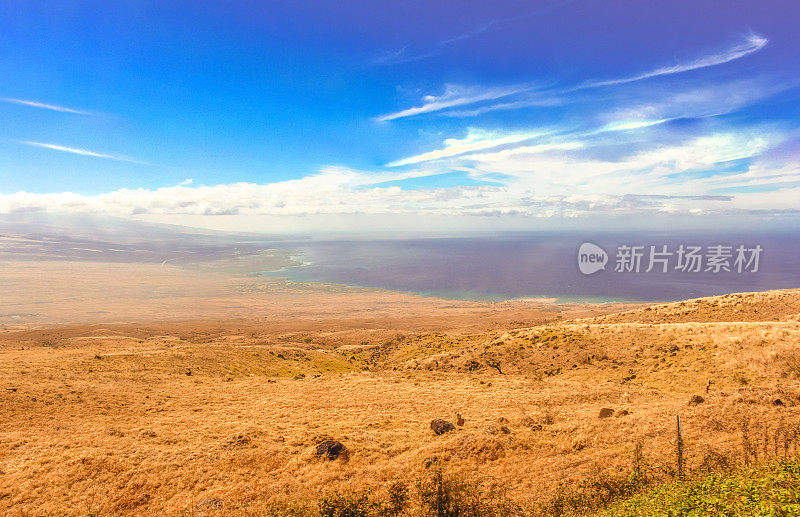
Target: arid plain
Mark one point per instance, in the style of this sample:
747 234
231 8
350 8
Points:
136 388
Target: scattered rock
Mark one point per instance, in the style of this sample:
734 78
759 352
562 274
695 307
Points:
149 434
430 462
440 426
606 412
624 412
502 420
237 441
536 427
188 372
696 399
331 450
460 420
113 431
493 429
778 402
299 376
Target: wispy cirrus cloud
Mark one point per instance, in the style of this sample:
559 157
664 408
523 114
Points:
483 143
476 140
456 95
46 106
752 43
404 55
523 96
82 152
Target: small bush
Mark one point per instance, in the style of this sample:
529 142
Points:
397 500
443 494
346 503
601 489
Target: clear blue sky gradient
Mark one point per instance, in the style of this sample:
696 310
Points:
245 91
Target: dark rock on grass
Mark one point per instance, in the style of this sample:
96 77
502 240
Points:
331 450
493 429
606 412
696 399
440 426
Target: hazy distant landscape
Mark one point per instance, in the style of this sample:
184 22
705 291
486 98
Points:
490 268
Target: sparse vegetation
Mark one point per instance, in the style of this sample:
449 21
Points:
773 489
108 421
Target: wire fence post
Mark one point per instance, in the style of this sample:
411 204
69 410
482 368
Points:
679 448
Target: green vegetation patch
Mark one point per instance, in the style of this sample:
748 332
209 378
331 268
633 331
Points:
769 490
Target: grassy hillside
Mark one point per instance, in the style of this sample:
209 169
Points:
225 417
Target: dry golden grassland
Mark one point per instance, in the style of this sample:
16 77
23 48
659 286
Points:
223 416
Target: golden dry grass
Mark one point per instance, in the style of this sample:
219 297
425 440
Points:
138 419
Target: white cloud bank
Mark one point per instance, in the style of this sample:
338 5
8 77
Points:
539 187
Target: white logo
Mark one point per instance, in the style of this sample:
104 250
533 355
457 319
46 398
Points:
591 258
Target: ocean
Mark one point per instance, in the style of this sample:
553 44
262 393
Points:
545 265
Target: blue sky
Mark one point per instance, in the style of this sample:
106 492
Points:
535 110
